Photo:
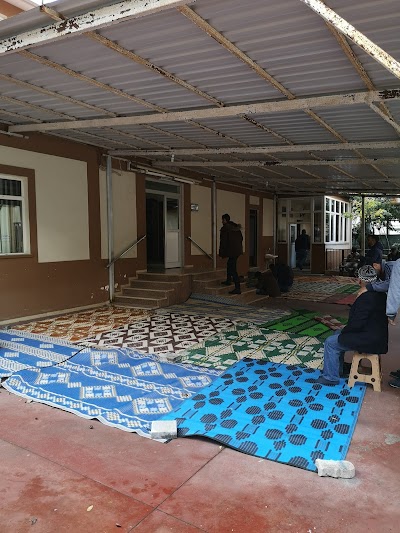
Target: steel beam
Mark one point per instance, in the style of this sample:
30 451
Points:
295 148
91 19
377 53
229 111
289 163
385 117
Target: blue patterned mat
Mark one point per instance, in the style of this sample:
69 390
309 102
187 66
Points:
121 388
20 350
276 412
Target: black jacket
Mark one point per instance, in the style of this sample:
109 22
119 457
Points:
302 242
367 328
231 238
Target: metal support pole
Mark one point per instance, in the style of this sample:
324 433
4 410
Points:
362 225
274 221
110 228
214 222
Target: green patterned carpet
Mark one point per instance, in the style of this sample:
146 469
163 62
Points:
244 340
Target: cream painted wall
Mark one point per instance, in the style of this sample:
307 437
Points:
268 218
254 200
125 214
61 203
201 220
234 204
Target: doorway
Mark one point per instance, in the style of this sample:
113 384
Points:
294 232
253 244
163 225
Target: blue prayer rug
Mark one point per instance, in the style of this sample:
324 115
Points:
276 412
20 350
121 388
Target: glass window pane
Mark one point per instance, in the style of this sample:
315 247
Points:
282 228
327 204
318 204
317 227
10 187
327 227
172 214
11 237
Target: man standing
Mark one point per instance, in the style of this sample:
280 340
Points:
230 246
365 332
301 246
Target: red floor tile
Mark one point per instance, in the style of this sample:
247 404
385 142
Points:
147 470
39 496
159 522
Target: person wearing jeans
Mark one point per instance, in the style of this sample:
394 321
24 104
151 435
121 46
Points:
365 332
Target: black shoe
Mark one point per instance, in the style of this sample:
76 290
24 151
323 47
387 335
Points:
235 291
395 383
324 381
226 283
395 374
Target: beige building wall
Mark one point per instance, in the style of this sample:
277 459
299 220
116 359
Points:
268 218
234 204
61 202
201 220
125 213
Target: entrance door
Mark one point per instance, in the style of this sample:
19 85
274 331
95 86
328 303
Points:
253 245
293 233
163 226
172 232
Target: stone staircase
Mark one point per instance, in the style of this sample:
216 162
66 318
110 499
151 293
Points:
152 290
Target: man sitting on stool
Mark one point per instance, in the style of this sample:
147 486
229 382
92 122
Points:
366 330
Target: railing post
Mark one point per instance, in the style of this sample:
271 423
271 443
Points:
110 229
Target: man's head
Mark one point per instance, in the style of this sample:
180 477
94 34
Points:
225 219
372 239
303 232
354 250
366 274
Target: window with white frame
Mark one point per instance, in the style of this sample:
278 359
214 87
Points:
14 225
336 220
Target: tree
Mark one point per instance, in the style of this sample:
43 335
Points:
380 212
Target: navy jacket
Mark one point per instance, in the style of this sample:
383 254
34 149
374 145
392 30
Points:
367 328
231 238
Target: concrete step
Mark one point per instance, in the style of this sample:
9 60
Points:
146 293
202 285
156 285
159 276
141 303
209 275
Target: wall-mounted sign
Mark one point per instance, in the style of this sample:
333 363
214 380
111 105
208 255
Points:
194 207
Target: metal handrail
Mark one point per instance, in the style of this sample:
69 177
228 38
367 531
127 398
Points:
199 247
126 251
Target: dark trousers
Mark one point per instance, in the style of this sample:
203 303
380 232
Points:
231 271
301 256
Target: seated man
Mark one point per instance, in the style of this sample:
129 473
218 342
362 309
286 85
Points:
374 254
365 332
350 265
267 284
283 275
394 254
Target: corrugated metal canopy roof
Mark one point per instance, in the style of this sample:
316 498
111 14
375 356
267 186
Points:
206 56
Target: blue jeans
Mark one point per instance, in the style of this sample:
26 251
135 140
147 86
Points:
334 357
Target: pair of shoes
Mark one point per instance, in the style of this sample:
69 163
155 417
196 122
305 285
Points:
395 374
235 291
324 381
226 283
395 383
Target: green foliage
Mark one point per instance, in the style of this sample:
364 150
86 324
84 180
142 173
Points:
380 212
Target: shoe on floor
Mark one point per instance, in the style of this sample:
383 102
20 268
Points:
235 291
226 283
324 381
395 383
395 374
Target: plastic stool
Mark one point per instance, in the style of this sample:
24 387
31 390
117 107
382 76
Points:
375 378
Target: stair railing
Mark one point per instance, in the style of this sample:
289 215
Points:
199 247
111 264
126 251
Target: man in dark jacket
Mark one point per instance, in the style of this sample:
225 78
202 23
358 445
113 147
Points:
374 254
366 330
230 246
301 246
